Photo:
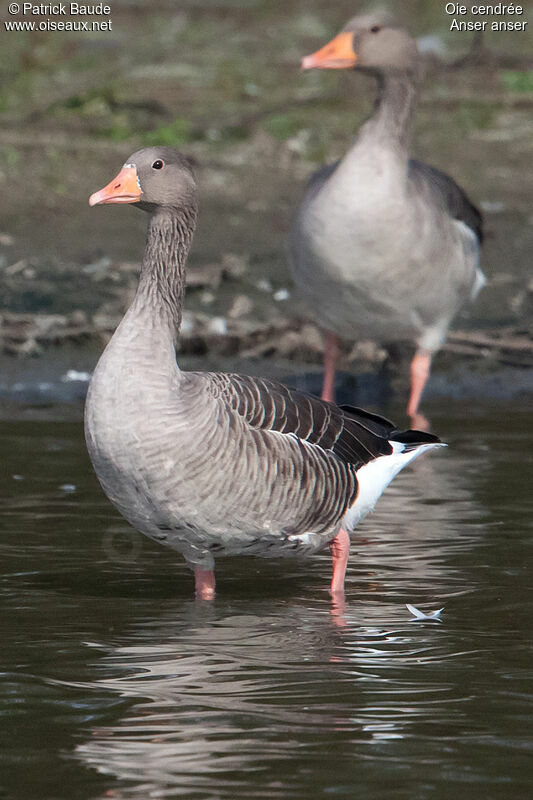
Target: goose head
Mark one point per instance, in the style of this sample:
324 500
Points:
367 42
152 177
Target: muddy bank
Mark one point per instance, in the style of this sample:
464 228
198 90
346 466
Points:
221 81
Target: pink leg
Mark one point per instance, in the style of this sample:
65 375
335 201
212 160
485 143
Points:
204 583
420 367
340 550
331 354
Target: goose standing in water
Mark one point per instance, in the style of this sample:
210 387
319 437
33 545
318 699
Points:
383 246
214 464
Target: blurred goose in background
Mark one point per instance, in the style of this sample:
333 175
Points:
383 246
213 464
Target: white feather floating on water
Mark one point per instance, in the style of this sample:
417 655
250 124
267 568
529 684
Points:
421 614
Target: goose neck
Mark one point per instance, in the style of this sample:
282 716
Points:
162 282
392 121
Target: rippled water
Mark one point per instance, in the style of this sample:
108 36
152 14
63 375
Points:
116 683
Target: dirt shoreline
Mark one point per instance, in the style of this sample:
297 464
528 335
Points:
222 83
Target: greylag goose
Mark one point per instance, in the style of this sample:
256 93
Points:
214 464
383 246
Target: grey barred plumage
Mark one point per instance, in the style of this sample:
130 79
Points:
213 464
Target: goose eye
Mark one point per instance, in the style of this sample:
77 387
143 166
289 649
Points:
158 164
375 29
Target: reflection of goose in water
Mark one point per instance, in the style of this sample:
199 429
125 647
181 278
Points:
246 695
224 701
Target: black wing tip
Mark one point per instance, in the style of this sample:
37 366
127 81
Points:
409 437
413 438
355 411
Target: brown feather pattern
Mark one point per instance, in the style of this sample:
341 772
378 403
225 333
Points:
355 436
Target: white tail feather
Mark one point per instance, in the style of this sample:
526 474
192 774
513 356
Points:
375 477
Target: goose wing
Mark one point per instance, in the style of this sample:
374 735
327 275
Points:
320 177
449 193
354 435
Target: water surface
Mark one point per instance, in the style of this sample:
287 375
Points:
118 684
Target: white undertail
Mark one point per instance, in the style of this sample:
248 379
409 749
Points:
374 478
